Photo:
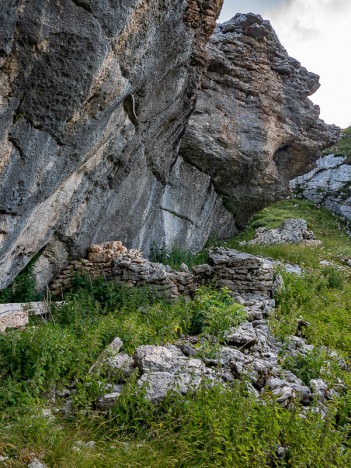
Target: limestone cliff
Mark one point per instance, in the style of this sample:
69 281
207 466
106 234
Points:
95 96
328 184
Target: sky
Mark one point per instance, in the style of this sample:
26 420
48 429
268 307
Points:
318 34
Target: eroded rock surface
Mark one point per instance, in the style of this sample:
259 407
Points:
254 127
95 96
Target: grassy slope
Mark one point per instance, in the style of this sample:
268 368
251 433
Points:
216 427
343 147
326 226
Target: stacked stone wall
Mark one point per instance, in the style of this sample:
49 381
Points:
240 272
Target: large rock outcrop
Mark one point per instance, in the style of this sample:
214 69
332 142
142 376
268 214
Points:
94 99
254 127
95 95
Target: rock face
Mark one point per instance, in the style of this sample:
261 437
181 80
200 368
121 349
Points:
94 99
254 127
95 96
328 184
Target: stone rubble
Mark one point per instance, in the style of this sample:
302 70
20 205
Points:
249 353
35 463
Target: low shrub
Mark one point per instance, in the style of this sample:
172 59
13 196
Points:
22 288
305 366
214 312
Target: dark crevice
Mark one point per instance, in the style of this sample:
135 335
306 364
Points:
17 145
180 216
85 4
8 213
17 115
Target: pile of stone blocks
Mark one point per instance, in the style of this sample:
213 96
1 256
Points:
291 231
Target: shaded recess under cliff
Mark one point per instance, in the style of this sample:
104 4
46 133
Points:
95 97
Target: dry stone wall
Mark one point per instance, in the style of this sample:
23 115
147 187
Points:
240 272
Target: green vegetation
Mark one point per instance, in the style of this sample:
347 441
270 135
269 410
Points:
176 256
321 298
22 289
343 146
61 351
326 226
216 427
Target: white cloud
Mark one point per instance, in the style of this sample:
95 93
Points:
317 33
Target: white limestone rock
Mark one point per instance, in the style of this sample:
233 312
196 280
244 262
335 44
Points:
328 184
290 231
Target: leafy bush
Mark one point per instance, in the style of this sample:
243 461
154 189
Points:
214 312
22 289
47 356
305 366
334 277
